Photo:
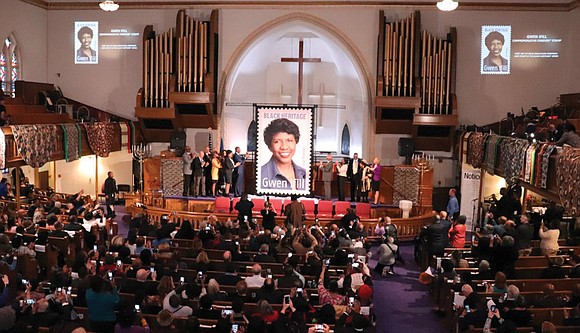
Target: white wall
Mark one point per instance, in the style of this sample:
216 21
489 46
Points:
81 174
47 41
29 26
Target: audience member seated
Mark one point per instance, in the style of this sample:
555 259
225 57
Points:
256 280
554 269
263 255
549 299
270 293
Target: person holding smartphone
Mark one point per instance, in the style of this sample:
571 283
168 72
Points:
330 295
101 304
130 320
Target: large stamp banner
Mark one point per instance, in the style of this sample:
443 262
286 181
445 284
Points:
284 153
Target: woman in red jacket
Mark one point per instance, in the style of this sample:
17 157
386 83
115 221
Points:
457 232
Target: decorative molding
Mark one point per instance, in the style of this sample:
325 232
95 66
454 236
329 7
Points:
483 6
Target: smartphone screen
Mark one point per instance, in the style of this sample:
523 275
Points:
299 290
137 308
289 254
350 301
269 276
286 299
234 328
119 263
182 279
95 248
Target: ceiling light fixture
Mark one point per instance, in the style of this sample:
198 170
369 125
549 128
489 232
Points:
109 6
447 5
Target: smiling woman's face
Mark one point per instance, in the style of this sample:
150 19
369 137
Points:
283 147
86 40
495 47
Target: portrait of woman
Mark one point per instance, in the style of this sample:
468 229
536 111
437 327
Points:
281 172
495 62
85 53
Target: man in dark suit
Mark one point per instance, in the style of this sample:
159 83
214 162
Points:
198 181
437 238
575 262
110 190
354 173
239 160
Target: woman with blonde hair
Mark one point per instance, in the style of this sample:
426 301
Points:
201 262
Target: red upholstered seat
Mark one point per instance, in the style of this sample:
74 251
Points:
234 202
324 208
222 205
363 210
309 206
340 207
258 205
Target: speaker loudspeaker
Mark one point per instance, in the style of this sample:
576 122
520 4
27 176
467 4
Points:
178 139
406 147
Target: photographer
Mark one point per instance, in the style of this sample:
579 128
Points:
268 216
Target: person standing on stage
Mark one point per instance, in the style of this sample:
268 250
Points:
354 173
327 176
207 157
239 160
341 167
376 179
197 170
187 158
110 190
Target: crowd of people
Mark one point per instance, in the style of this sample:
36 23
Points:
495 248
163 297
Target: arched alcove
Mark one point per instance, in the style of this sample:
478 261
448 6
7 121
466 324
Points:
338 83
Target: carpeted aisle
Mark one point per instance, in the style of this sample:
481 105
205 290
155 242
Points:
401 303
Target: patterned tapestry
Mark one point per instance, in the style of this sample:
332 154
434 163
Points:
542 164
127 136
512 157
72 142
406 184
491 150
2 150
35 143
568 179
476 149
100 137
172 176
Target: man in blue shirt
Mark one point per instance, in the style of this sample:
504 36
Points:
452 205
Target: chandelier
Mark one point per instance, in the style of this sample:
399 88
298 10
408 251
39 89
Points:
447 5
109 6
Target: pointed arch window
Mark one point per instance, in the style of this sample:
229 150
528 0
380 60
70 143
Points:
345 141
252 136
10 69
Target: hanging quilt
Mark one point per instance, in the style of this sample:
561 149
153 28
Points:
100 137
512 157
568 179
35 143
127 136
476 149
529 162
406 184
491 150
2 150
543 163
72 142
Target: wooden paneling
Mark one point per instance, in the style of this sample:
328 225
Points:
191 97
435 120
154 113
394 127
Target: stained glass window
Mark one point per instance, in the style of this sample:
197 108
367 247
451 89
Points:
9 65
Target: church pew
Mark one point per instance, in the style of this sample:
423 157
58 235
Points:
520 272
559 329
537 284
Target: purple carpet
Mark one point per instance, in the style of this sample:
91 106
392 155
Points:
401 303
